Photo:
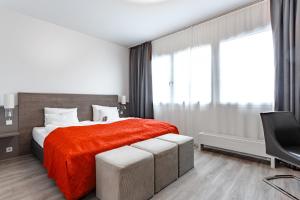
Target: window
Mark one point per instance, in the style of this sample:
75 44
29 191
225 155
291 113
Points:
161 70
239 71
184 76
181 80
247 69
201 74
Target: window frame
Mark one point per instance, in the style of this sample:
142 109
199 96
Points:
215 68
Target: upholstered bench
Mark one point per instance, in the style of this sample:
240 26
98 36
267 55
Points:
125 173
165 161
185 151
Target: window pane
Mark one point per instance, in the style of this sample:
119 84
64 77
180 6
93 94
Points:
247 69
161 77
181 76
201 74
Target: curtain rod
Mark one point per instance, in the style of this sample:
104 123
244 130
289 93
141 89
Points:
212 18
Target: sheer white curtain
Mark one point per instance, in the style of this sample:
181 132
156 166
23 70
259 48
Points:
217 76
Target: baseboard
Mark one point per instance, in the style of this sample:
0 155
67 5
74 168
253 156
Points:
235 144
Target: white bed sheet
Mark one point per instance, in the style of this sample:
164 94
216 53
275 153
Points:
39 134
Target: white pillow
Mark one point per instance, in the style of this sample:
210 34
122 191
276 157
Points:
60 115
59 110
104 113
62 118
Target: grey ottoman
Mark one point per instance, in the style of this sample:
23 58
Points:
165 161
185 151
125 173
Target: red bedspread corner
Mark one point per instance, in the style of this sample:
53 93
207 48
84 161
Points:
69 153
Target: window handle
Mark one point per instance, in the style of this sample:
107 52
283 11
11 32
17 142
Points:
171 83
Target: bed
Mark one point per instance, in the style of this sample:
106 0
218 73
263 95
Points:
71 161
39 135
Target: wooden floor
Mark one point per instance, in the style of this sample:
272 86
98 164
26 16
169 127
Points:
215 176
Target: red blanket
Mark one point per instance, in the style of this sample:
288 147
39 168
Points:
69 153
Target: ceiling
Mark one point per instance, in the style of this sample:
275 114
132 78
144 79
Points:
125 22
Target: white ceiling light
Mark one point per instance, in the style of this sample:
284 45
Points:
147 1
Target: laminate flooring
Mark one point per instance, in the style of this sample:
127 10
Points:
215 177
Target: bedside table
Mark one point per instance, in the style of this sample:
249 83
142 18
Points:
9 145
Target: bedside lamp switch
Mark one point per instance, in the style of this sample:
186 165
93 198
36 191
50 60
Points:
8 122
9 149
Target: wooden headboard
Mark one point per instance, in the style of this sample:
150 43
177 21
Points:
31 110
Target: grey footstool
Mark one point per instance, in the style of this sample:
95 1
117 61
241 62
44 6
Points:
185 151
125 173
165 161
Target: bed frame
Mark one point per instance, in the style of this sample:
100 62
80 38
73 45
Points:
37 150
31 113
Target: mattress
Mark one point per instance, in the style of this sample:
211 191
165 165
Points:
39 135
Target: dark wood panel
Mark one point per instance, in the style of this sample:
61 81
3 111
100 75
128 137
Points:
31 110
8 138
9 142
9 134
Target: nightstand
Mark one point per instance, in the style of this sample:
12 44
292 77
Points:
9 145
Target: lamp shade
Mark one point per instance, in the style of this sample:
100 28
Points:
123 100
9 101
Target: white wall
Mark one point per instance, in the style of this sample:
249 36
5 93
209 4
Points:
37 56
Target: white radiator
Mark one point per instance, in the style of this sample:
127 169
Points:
236 144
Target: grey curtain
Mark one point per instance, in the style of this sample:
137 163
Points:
140 81
285 18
